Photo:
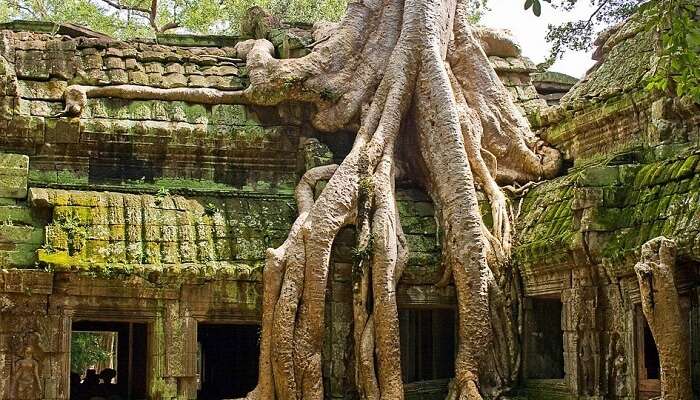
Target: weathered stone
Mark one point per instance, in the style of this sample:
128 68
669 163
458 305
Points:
197 81
174 80
155 79
118 76
174 68
13 186
132 65
153 67
92 61
51 90
31 64
114 63
62 130
138 78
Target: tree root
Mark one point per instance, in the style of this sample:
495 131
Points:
661 307
76 96
388 62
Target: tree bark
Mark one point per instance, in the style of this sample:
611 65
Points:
392 69
662 309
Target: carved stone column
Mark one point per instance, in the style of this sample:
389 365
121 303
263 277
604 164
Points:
582 335
30 348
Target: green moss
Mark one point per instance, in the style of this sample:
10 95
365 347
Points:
228 114
687 167
59 177
196 114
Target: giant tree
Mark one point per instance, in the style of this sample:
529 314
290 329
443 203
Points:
403 71
412 79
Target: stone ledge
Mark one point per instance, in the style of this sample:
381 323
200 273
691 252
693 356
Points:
25 280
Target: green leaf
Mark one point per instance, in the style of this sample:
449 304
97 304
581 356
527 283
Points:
528 4
537 8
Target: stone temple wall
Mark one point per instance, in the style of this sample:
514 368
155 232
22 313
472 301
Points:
159 213
155 212
633 175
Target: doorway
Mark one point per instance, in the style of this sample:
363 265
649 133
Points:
108 359
227 360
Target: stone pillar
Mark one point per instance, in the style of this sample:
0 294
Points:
181 350
338 369
173 354
32 343
582 334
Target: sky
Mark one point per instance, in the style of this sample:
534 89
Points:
529 31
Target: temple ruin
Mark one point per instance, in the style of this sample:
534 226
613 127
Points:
149 220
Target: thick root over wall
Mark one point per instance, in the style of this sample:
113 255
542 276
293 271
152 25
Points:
662 309
397 71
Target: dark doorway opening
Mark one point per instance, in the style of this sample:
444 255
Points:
545 339
648 365
427 344
651 354
228 360
127 359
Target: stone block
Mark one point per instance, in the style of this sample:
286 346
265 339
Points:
44 108
174 80
192 69
133 65
92 61
19 256
168 233
13 175
151 254
114 63
174 68
170 253
14 164
63 130
152 233
224 82
21 234
134 233
197 81
155 79
138 78
51 90
188 251
62 65
599 176
98 232
228 114
154 68
16 214
31 64
7 107
118 76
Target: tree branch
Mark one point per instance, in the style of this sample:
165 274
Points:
153 13
118 6
600 7
169 26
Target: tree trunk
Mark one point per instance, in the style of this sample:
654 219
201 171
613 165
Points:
662 309
410 69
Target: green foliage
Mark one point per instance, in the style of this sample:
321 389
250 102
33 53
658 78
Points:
536 6
678 68
580 34
124 19
132 18
86 350
677 71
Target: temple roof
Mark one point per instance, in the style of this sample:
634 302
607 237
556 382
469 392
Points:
625 55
